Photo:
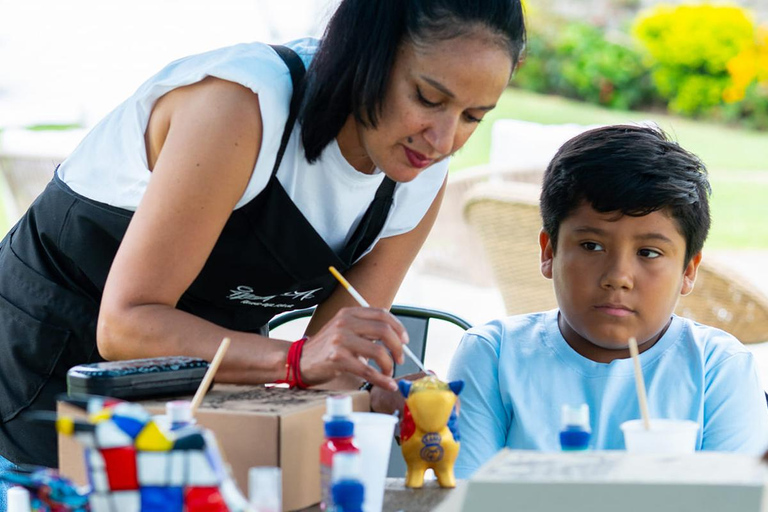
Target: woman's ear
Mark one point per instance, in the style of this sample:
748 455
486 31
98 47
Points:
689 275
547 254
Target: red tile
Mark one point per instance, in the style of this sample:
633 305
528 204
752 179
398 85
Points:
121 468
204 499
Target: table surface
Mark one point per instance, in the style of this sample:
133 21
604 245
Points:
397 497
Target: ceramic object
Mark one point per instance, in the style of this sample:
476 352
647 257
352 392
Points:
429 435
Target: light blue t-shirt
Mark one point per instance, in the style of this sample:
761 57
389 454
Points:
519 371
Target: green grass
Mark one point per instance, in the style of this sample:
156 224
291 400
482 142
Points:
53 127
733 157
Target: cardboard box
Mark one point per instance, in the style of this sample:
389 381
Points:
610 481
254 426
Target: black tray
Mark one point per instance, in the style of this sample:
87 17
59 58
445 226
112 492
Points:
138 378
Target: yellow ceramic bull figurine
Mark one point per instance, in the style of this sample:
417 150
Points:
429 436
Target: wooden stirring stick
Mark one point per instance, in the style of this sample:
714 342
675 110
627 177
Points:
202 389
640 383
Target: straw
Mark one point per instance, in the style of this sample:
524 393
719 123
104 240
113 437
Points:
360 300
202 389
640 383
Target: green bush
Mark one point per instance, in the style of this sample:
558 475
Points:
689 47
577 61
751 111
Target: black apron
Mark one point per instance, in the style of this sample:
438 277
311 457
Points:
54 264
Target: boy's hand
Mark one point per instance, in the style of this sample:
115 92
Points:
386 401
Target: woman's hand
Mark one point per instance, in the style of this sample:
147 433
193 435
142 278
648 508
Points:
345 343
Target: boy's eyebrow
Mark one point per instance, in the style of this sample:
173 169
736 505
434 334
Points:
644 236
443 89
654 236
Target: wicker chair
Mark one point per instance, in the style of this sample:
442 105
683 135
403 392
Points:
453 250
28 159
505 217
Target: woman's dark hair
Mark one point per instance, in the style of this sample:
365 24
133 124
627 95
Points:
634 170
350 72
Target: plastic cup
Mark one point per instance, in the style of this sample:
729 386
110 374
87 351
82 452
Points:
373 436
664 436
265 488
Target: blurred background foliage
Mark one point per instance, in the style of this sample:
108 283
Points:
704 61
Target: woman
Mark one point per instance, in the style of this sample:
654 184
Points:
198 209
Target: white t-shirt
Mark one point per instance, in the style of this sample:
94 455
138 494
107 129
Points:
110 164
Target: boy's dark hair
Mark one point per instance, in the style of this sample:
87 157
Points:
634 170
349 74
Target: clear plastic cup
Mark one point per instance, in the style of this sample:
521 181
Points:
665 436
265 488
373 436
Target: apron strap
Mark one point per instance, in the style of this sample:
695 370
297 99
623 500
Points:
297 70
374 218
372 222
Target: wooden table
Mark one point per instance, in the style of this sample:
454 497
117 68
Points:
397 497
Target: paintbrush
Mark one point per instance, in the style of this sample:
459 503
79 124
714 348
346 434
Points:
360 300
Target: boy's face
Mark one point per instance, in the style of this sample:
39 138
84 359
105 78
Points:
615 277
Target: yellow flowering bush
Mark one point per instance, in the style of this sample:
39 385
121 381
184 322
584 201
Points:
748 67
689 48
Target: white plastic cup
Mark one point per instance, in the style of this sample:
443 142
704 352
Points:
265 488
664 436
373 436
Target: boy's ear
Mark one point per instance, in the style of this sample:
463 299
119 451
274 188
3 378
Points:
547 254
689 275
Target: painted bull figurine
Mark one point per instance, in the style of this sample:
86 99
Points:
429 436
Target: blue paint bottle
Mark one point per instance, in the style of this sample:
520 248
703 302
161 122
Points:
347 490
575 432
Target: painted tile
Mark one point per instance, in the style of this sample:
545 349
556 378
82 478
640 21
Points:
162 499
121 468
99 502
109 435
130 426
204 499
153 468
152 439
200 472
127 501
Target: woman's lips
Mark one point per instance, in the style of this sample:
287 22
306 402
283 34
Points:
416 159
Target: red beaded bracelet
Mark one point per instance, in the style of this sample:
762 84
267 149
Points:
292 365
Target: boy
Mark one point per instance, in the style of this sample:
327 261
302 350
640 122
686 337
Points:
625 214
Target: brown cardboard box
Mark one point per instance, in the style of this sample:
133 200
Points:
255 426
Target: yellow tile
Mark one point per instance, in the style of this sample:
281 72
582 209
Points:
152 439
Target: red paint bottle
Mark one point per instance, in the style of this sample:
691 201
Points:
339 431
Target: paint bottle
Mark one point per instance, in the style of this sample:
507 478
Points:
18 500
179 414
339 431
348 492
575 432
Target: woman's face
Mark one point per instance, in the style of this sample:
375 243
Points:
436 97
